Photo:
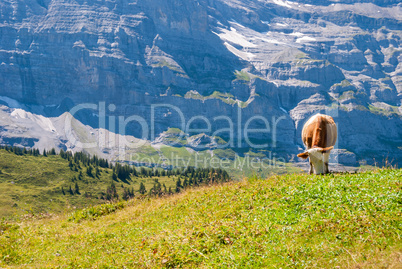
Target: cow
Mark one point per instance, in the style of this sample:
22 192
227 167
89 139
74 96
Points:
319 136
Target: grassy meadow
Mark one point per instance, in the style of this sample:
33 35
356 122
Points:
287 221
33 184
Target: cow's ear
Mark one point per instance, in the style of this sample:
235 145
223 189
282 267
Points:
325 150
303 155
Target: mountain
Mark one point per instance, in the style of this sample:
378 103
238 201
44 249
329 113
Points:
215 68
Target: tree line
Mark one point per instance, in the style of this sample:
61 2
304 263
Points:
85 164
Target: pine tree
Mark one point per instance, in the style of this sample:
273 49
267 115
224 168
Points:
70 164
132 192
143 171
142 189
178 185
70 190
126 194
135 173
44 153
77 189
158 189
111 192
89 171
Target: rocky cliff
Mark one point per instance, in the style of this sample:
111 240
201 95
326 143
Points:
281 60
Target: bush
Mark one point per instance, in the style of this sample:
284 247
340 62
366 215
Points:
92 213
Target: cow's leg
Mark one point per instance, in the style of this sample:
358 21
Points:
311 167
326 161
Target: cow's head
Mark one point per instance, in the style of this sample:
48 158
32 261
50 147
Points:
319 158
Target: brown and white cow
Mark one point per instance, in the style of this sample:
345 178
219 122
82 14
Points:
319 136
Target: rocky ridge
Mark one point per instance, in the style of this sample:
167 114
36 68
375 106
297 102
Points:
275 59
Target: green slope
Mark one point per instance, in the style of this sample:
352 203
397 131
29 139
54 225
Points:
33 184
289 221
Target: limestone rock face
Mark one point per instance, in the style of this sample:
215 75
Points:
344 157
280 60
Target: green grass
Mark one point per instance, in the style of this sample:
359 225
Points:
175 131
243 75
220 141
302 55
238 167
146 153
164 63
393 110
347 95
94 212
227 98
344 83
172 154
290 221
33 185
225 154
224 97
175 137
253 154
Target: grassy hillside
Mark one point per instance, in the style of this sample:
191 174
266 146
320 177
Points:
34 184
288 221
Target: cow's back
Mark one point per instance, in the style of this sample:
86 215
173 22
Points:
319 131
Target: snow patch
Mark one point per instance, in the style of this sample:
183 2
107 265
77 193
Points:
298 34
79 44
273 41
282 3
238 24
275 83
234 37
282 24
305 39
242 54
